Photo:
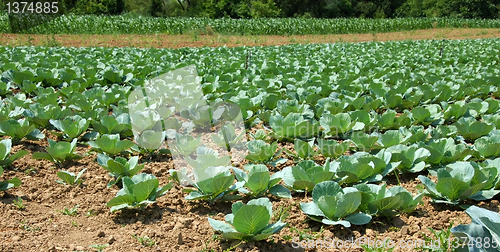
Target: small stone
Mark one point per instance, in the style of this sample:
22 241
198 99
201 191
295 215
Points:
179 240
16 238
101 234
111 240
404 230
79 248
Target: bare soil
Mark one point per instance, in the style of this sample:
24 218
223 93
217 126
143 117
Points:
215 40
174 223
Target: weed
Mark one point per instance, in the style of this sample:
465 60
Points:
305 235
52 42
145 241
18 203
441 238
30 171
30 41
282 213
233 247
385 248
393 229
74 224
70 212
90 213
99 247
27 227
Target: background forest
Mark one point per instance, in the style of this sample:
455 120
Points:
488 9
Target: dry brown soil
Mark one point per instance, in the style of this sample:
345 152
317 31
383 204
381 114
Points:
214 40
173 223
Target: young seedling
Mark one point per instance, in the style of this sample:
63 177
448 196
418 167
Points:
18 203
145 241
70 212
99 247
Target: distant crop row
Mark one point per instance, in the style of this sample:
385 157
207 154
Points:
260 26
373 110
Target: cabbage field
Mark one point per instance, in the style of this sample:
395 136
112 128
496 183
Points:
387 141
129 24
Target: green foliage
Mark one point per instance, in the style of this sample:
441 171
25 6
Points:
58 152
332 148
335 125
378 200
19 129
293 126
99 247
19 203
185 145
113 125
471 129
444 151
228 137
362 167
137 192
488 146
248 222
261 152
411 158
40 115
111 7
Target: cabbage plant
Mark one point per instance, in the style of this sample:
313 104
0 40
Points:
333 205
137 192
6 158
248 222
258 181
460 181
485 225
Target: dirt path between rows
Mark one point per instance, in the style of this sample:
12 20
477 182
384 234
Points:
215 40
